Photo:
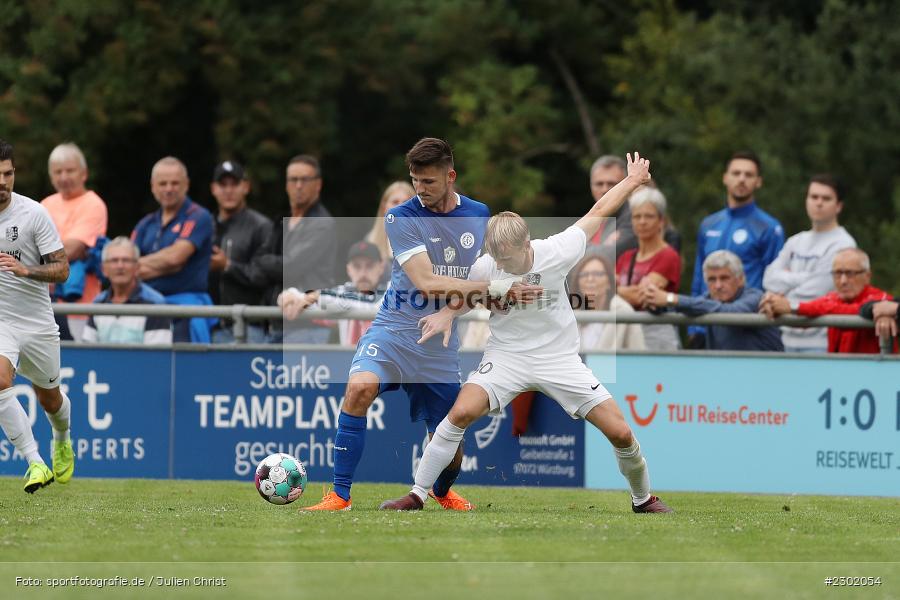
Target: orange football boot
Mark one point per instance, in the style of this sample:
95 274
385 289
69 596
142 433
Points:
330 501
453 501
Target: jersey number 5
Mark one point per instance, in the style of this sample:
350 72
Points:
370 350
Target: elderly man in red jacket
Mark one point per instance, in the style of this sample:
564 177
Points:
852 274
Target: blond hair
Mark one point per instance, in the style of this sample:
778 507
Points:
505 230
377 235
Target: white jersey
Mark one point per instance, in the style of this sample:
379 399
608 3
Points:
546 327
27 233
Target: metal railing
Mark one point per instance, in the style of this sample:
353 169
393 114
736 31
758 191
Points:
242 313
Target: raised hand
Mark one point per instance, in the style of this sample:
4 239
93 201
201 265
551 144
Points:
638 168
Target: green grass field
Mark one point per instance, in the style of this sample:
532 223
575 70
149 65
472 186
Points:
520 543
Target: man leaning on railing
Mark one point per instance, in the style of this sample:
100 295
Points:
852 275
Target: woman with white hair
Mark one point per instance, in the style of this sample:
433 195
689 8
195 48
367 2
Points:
653 261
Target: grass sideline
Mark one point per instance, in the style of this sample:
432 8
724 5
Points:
520 543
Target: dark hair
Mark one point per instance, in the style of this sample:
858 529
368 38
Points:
429 152
745 155
6 152
575 295
307 159
831 181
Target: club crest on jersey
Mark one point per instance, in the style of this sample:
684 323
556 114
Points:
12 233
449 254
532 279
467 240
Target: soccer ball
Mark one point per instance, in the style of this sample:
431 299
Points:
280 478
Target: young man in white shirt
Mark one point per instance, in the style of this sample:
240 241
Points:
802 270
535 346
31 257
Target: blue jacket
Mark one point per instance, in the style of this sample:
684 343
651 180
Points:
748 231
722 337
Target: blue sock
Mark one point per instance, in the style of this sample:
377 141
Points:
348 448
445 480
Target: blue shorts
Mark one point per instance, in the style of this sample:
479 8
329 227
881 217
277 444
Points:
430 380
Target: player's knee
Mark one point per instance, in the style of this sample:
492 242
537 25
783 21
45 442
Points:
50 399
620 435
462 416
359 398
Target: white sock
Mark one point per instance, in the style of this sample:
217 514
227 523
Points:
15 424
438 454
59 421
633 466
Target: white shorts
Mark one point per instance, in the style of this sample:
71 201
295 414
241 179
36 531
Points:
33 354
566 379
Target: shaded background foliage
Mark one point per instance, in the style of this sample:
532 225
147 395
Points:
528 92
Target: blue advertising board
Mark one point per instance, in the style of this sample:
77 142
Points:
236 407
121 408
779 425
215 413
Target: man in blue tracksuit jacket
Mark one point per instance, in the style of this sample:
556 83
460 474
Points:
741 227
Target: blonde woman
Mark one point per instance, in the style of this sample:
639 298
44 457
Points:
653 261
395 194
592 287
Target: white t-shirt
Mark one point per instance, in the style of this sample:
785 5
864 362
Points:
546 327
26 232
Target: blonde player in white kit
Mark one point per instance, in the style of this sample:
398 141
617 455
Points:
535 346
31 257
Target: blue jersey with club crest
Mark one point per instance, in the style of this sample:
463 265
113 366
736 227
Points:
452 241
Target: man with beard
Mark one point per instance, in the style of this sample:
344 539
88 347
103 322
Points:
364 268
743 228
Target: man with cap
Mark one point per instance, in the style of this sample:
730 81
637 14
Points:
241 234
364 268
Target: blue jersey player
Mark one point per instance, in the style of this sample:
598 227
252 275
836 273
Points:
436 236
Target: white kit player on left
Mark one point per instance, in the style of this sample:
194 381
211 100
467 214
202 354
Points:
535 346
31 257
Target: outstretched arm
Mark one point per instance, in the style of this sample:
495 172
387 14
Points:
638 175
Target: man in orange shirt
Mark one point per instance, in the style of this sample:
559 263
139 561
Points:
80 216
852 273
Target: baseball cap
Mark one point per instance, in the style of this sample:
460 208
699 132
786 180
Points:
363 249
229 168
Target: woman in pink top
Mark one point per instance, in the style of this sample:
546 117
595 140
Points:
653 261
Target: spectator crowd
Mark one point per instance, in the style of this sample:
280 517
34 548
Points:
183 254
